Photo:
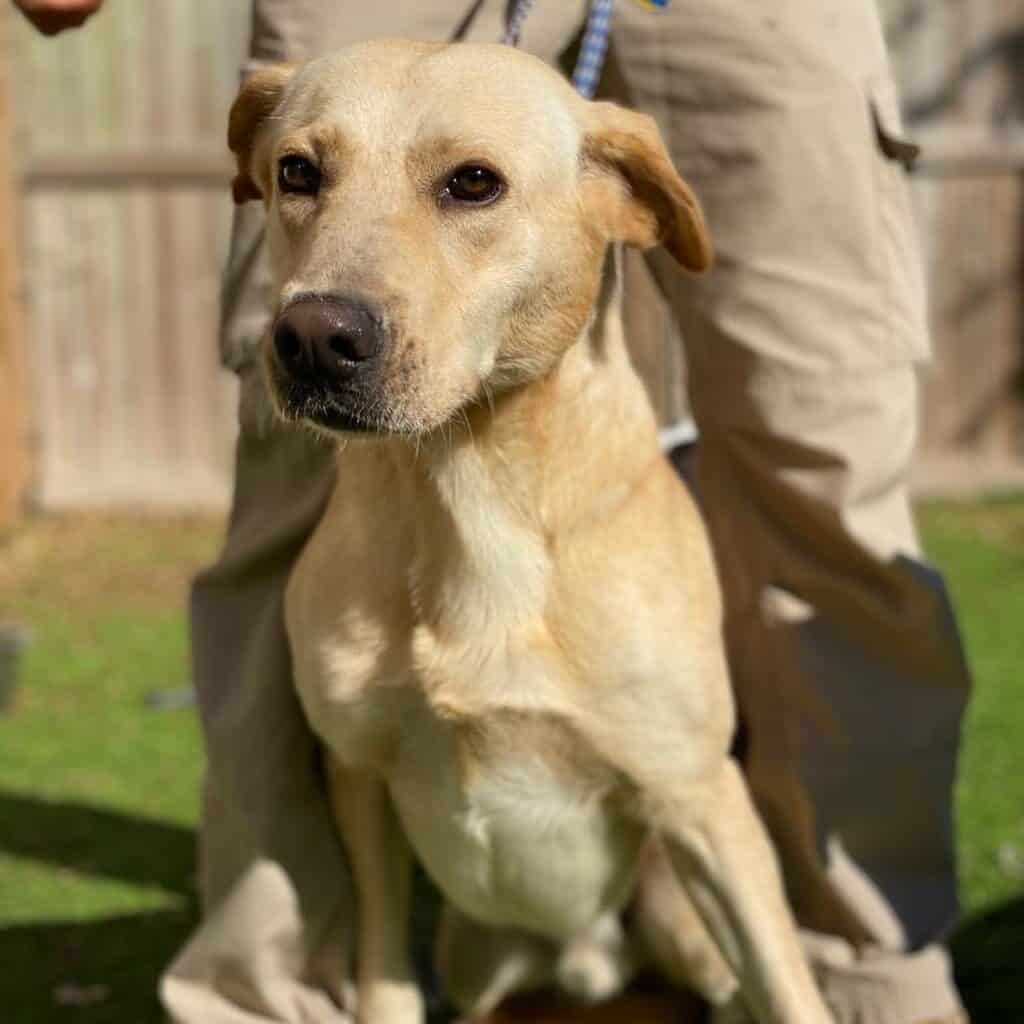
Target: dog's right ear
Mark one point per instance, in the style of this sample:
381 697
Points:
257 99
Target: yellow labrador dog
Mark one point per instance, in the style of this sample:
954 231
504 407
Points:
506 629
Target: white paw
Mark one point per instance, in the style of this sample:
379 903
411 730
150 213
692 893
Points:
598 964
590 974
390 1002
733 1011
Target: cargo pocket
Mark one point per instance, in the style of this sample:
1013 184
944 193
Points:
889 134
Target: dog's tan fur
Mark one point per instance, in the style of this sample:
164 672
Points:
506 630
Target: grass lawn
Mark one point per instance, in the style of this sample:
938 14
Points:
98 792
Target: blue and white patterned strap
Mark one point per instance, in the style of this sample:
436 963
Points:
514 25
589 63
592 51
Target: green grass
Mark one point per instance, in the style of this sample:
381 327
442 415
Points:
980 547
98 793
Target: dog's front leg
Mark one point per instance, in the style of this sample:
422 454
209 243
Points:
723 858
381 863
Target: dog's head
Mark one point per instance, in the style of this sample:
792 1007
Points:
437 218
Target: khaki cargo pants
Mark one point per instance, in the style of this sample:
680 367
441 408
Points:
801 349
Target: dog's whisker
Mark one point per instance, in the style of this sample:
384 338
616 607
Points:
489 395
469 425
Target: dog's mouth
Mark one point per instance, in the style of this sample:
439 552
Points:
363 409
322 409
340 421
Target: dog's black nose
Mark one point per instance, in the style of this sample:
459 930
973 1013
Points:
330 338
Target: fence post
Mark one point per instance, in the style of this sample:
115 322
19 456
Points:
14 432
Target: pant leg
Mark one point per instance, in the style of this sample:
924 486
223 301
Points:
801 349
275 889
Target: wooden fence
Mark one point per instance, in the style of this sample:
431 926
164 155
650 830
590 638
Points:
121 170
961 69
124 215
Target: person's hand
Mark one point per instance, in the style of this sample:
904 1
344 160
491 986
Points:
53 16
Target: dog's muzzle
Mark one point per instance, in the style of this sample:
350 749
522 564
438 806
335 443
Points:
327 350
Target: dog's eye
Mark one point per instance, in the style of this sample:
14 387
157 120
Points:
297 174
474 184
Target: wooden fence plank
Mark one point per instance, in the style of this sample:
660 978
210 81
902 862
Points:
154 167
14 438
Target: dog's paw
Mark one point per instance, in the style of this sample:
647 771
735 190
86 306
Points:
590 975
390 1002
732 1011
598 965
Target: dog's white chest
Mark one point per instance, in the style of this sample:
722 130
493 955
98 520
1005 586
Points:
514 833
510 814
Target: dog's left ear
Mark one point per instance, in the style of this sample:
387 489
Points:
258 98
650 204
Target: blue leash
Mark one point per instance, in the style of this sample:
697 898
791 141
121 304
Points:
593 49
589 63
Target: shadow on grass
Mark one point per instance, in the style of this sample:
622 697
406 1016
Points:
105 971
93 972
98 971
98 841
988 951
